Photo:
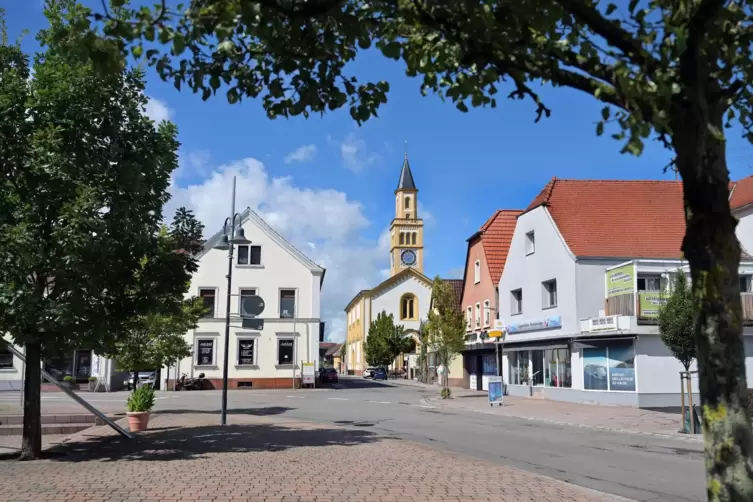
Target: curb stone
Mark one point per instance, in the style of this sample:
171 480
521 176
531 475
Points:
698 438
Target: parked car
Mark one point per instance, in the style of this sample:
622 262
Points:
328 375
145 378
380 374
368 372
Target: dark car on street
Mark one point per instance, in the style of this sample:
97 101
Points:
328 375
380 374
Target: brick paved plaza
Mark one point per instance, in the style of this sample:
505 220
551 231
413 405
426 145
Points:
187 457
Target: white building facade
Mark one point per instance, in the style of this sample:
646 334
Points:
581 312
268 350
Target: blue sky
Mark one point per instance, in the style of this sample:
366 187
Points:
334 199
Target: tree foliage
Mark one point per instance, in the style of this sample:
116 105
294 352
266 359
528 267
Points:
85 178
156 338
680 71
380 343
676 321
445 327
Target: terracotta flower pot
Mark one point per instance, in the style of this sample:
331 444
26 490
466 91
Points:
138 420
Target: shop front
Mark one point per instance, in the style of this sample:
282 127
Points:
76 364
479 363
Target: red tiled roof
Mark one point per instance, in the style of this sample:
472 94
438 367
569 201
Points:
617 218
741 193
457 288
496 235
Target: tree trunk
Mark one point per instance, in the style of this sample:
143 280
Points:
31 443
713 252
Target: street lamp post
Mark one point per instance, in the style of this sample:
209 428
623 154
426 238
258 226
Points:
496 343
230 237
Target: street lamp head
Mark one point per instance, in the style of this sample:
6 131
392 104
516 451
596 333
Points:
240 237
223 243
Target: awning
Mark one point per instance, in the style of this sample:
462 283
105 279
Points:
596 342
558 343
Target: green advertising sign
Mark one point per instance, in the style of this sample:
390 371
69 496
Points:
650 303
621 280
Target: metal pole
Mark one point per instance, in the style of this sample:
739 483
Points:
690 403
223 419
295 337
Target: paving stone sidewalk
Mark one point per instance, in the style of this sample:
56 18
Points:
186 457
613 418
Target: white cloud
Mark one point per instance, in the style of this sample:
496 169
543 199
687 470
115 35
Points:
157 110
354 153
305 153
322 223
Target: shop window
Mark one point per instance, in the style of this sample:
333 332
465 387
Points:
557 368
285 349
205 352
518 367
246 351
610 368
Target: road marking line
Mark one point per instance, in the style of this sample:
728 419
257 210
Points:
337 398
379 402
296 397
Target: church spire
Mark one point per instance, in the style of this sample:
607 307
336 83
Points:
406 176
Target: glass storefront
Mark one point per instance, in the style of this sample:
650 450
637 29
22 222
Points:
546 367
76 364
610 367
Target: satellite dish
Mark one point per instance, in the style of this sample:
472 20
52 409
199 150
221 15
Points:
252 306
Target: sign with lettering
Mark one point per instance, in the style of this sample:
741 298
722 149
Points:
205 352
608 323
538 325
621 280
246 352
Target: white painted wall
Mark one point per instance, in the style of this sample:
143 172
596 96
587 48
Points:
279 269
744 228
389 301
590 285
551 260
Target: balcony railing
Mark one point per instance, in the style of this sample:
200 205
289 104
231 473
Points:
628 305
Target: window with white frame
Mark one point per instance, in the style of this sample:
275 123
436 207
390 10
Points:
745 283
287 303
487 313
549 293
205 351
477 272
208 297
649 283
478 315
530 243
247 350
468 317
249 254
6 359
516 301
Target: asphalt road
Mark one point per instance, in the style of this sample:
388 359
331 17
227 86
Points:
638 467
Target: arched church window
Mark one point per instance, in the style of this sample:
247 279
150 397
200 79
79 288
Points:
402 238
413 238
407 202
408 306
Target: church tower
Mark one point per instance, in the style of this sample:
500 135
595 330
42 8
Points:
407 229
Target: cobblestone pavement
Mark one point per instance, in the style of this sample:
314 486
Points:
187 457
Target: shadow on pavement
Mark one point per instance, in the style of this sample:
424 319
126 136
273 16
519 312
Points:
195 442
361 383
257 412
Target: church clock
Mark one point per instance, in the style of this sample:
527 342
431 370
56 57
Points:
408 257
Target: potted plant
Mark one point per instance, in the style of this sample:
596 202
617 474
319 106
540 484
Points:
139 407
92 383
68 381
